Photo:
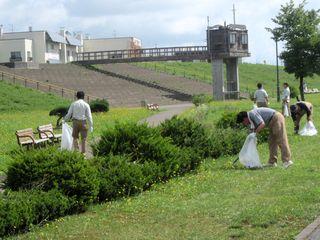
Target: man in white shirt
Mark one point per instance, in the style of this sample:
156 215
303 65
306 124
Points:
80 113
285 100
261 96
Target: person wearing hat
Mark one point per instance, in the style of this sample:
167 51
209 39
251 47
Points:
298 110
260 96
260 118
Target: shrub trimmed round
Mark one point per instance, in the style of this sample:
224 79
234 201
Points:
50 168
99 105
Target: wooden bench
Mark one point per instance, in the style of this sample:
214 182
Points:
46 131
26 138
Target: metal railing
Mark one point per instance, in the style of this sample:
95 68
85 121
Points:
41 86
145 54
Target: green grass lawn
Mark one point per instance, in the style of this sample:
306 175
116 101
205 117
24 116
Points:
249 74
22 108
219 201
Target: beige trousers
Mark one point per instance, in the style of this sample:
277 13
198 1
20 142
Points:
278 138
262 104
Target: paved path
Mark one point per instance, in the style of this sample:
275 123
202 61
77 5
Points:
311 232
167 113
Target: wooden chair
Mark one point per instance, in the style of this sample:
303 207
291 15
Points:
25 137
46 131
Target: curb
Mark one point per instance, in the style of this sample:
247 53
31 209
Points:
311 232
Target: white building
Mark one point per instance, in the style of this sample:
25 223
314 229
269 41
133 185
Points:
110 44
38 46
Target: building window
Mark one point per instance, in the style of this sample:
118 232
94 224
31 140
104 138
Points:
15 56
232 38
244 38
52 46
29 58
68 53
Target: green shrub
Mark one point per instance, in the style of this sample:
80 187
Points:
294 92
186 133
119 177
228 120
226 141
99 105
50 168
20 210
202 98
145 145
59 111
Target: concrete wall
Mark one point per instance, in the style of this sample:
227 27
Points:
109 44
17 45
39 43
71 52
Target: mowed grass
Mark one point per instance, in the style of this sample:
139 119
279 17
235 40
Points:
249 74
219 201
22 108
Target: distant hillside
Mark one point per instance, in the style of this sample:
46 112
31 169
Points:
18 98
250 74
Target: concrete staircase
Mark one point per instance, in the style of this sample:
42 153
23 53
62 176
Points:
118 91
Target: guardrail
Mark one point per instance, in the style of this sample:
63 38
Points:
145 54
41 86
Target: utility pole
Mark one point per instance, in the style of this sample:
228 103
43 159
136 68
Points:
234 14
278 83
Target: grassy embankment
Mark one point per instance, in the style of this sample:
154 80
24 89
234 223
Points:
218 202
24 108
249 74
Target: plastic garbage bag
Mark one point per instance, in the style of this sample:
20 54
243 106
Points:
66 138
286 111
308 130
249 155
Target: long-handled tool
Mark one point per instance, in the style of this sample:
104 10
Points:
235 160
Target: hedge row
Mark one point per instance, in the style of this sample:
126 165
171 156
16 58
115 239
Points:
45 184
20 210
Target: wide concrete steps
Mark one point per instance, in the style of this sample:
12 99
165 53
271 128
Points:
178 83
119 92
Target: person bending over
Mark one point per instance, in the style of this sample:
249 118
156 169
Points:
298 110
260 118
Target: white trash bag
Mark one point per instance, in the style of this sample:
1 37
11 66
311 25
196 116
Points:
308 130
66 138
286 111
249 155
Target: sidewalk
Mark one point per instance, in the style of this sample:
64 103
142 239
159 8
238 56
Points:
169 112
311 232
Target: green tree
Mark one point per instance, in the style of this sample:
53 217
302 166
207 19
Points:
299 29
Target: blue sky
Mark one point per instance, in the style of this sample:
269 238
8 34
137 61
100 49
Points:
156 23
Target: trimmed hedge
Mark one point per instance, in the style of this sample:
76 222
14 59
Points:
119 177
202 98
20 210
99 105
186 133
143 145
50 168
